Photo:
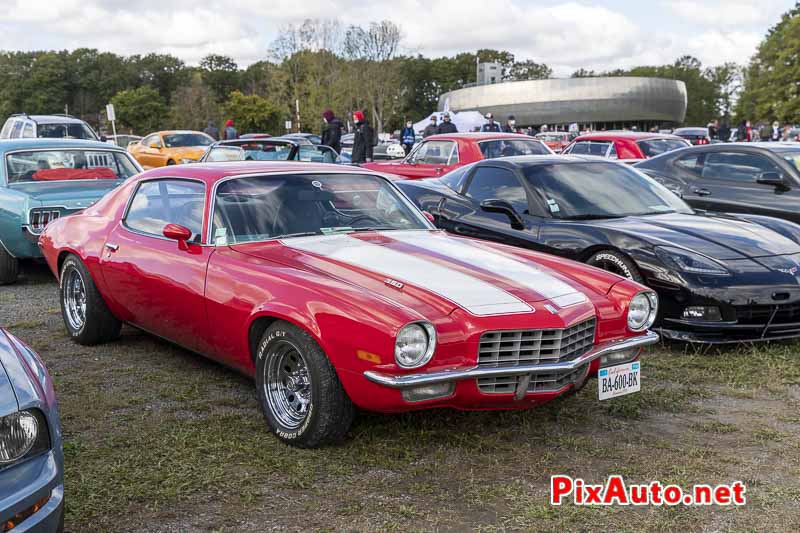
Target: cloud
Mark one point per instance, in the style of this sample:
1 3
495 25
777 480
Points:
566 35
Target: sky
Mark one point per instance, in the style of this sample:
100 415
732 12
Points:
567 35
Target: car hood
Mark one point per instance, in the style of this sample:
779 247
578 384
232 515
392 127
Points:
716 237
189 152
69 194
428 266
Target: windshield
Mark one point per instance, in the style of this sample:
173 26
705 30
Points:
792 155
654 147
60 131
224 153
600 190
62 165
551 137
185 140
509 147
254 150
282 206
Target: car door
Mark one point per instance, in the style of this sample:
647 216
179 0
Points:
150 151
159 285
728 182
433 158
465 216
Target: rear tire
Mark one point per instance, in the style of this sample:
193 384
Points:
300 394
617 263
9 267
86 316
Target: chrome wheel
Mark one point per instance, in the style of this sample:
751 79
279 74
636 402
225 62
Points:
287 384
74 294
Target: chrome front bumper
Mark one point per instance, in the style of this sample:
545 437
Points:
404 381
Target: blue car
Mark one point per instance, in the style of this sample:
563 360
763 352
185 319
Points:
31 457
44 179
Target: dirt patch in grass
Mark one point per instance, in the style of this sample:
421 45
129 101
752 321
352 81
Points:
159 439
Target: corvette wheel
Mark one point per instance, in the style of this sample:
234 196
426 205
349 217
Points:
85 314
300 394
9 267
617 263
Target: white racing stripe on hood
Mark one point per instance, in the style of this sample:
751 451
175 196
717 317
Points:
475 295
517 272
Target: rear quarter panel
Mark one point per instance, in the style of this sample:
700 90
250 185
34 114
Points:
13 208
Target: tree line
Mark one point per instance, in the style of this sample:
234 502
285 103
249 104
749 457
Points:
321 64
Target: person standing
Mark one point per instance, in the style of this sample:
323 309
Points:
212 130
446 126
363 140
229 132
511 125
491 126
724 132
332 132
431 128
408 137
776 131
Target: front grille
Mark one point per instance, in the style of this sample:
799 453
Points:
40 218
540 382
532 347
760 314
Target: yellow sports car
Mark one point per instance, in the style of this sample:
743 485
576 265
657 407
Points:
170 148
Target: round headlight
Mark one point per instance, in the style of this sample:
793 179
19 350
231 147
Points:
415 344
18 433
642 311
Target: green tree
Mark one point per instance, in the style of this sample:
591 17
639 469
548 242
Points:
529 70
220 74
253 114
772 79
163 72
193 105
140 109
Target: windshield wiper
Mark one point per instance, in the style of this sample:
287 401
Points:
591 217
289 235
348 229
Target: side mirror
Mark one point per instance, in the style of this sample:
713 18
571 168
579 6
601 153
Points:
772 178
104 139
505 208
179 233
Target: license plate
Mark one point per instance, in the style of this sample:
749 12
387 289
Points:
619 380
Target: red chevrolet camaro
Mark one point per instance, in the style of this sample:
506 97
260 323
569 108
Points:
439 154
330 289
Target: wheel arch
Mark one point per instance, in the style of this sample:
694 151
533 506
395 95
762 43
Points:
264 318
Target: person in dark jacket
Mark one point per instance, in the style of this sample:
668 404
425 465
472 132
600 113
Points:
446 126
332 132
408 137
212 130
491 126
431 128
511 125
363 140
229 132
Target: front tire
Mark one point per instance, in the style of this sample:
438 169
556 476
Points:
170 163
86 316
617 263
9 267
300 394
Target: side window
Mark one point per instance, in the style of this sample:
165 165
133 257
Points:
736 166
435 153
691 163
453 155
16 130
580 148
158 203
493 183
612 153
4 134
28 131
152 142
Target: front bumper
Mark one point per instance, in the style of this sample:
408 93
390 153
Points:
23 485
527 372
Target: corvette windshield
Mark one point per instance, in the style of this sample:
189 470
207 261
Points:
62 165
283 206
600 190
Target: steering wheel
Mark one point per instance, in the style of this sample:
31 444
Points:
359 218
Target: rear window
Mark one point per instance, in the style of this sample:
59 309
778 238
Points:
65 131
599 148
64 165
512 147
654 147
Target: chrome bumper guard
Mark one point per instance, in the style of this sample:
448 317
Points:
404 381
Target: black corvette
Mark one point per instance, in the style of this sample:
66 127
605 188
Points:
719 278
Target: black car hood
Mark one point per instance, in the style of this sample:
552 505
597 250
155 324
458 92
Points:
716 237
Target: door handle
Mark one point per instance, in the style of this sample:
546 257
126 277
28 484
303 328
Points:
112 247
701 192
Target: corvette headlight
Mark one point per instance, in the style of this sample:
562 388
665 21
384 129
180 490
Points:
20 434
642 311
691 262
415 344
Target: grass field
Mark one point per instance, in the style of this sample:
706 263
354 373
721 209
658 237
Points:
159 439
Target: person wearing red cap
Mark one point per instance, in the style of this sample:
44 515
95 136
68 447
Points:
332 131
364 139
229 132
